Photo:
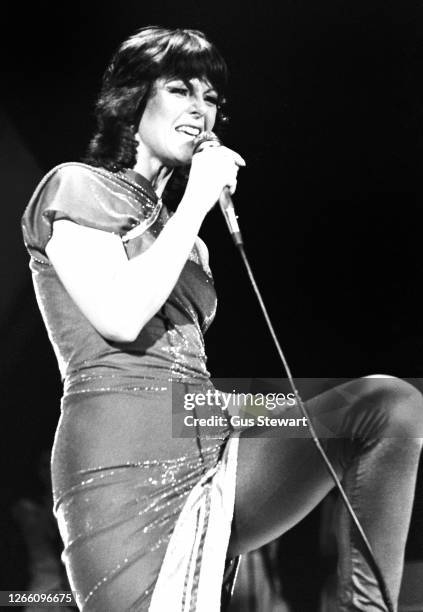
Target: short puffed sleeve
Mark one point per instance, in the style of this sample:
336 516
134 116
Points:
88 196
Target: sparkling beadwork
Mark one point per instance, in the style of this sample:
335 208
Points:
145 497
160 497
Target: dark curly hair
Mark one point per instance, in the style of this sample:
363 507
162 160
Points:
151 53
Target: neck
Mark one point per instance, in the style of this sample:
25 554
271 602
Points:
155 172
157 179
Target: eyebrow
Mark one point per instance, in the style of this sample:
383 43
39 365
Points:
188 83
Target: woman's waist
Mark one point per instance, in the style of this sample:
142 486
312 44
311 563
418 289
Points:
132 375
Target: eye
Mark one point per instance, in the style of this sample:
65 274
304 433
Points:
211 98
179 90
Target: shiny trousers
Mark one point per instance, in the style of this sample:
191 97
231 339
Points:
372 431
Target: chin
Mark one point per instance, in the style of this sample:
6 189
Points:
180 160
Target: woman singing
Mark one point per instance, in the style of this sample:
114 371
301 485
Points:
149 516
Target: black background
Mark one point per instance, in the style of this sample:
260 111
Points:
325 101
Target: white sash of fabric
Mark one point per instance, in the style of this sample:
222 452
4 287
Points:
191 575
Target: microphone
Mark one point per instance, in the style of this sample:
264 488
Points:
201 142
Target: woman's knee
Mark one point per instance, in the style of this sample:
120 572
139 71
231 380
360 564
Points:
396 405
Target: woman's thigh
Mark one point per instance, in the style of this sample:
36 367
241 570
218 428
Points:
120 480
281 477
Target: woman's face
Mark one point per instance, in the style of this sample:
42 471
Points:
175 113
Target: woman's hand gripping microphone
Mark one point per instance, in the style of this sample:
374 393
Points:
209 141
214 170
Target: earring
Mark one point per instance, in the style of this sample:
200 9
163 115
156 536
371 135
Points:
134 130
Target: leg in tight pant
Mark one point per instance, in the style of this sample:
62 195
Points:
376 429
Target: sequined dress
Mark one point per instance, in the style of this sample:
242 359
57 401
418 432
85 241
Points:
144 514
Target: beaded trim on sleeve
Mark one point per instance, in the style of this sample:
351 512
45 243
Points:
134 192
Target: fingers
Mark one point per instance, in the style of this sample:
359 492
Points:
212 169
232 187
232 180
225 151
239 160
236 157
236 163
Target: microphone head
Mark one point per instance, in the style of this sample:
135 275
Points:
205 139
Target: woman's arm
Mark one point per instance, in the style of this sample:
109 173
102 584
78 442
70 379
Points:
118 296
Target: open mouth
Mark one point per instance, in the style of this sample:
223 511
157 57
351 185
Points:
189 130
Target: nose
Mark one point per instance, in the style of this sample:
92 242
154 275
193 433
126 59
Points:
198 104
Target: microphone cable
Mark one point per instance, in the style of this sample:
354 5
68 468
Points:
370 554
206 139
